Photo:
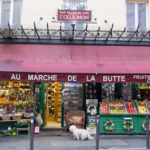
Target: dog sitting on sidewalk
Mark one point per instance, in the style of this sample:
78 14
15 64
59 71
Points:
80 134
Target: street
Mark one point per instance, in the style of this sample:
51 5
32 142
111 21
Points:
66 142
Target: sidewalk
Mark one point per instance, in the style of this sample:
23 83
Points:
66 142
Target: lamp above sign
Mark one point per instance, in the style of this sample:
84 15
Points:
74 15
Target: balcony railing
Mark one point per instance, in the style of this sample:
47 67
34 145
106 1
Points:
73 34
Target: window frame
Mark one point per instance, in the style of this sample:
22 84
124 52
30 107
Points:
136 14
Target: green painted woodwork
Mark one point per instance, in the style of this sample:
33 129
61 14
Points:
5 125
140 120
118 121
41 99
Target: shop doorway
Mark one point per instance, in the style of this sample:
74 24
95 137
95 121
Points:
53 101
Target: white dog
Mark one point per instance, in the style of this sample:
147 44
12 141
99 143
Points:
80 133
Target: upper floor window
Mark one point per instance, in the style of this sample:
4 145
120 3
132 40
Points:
75 4
136 16
10 12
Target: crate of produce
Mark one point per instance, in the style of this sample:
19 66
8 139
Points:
104 108
130 108
117 108
5 117
16 116
141 106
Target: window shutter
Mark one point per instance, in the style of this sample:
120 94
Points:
17 13
5 13
130 16
142 16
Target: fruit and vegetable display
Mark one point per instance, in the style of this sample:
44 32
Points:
117 107
141 107
16 101
104 108
130 107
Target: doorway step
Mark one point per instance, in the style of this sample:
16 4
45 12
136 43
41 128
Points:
53 131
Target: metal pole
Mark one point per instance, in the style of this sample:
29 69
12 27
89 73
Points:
31 133
147 131
97 132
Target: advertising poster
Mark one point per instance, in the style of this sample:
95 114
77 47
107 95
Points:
91 105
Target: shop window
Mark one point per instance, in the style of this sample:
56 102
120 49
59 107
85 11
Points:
10 13
126 91
72 96
136 16
108 91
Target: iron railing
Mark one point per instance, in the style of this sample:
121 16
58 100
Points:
73 34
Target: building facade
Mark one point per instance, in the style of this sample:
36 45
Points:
67 61
121 13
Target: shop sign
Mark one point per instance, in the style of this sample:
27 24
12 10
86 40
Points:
74 15
142 78
76 77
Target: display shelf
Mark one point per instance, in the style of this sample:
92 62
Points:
133 121
72 96
28 120
118 123
54 101
19 98
118 108
4 85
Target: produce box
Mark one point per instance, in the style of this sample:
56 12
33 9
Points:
130 108
142 109
117 108
104 108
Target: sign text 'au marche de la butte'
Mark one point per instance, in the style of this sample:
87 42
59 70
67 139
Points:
66 77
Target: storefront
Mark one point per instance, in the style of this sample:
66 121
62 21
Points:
62 68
